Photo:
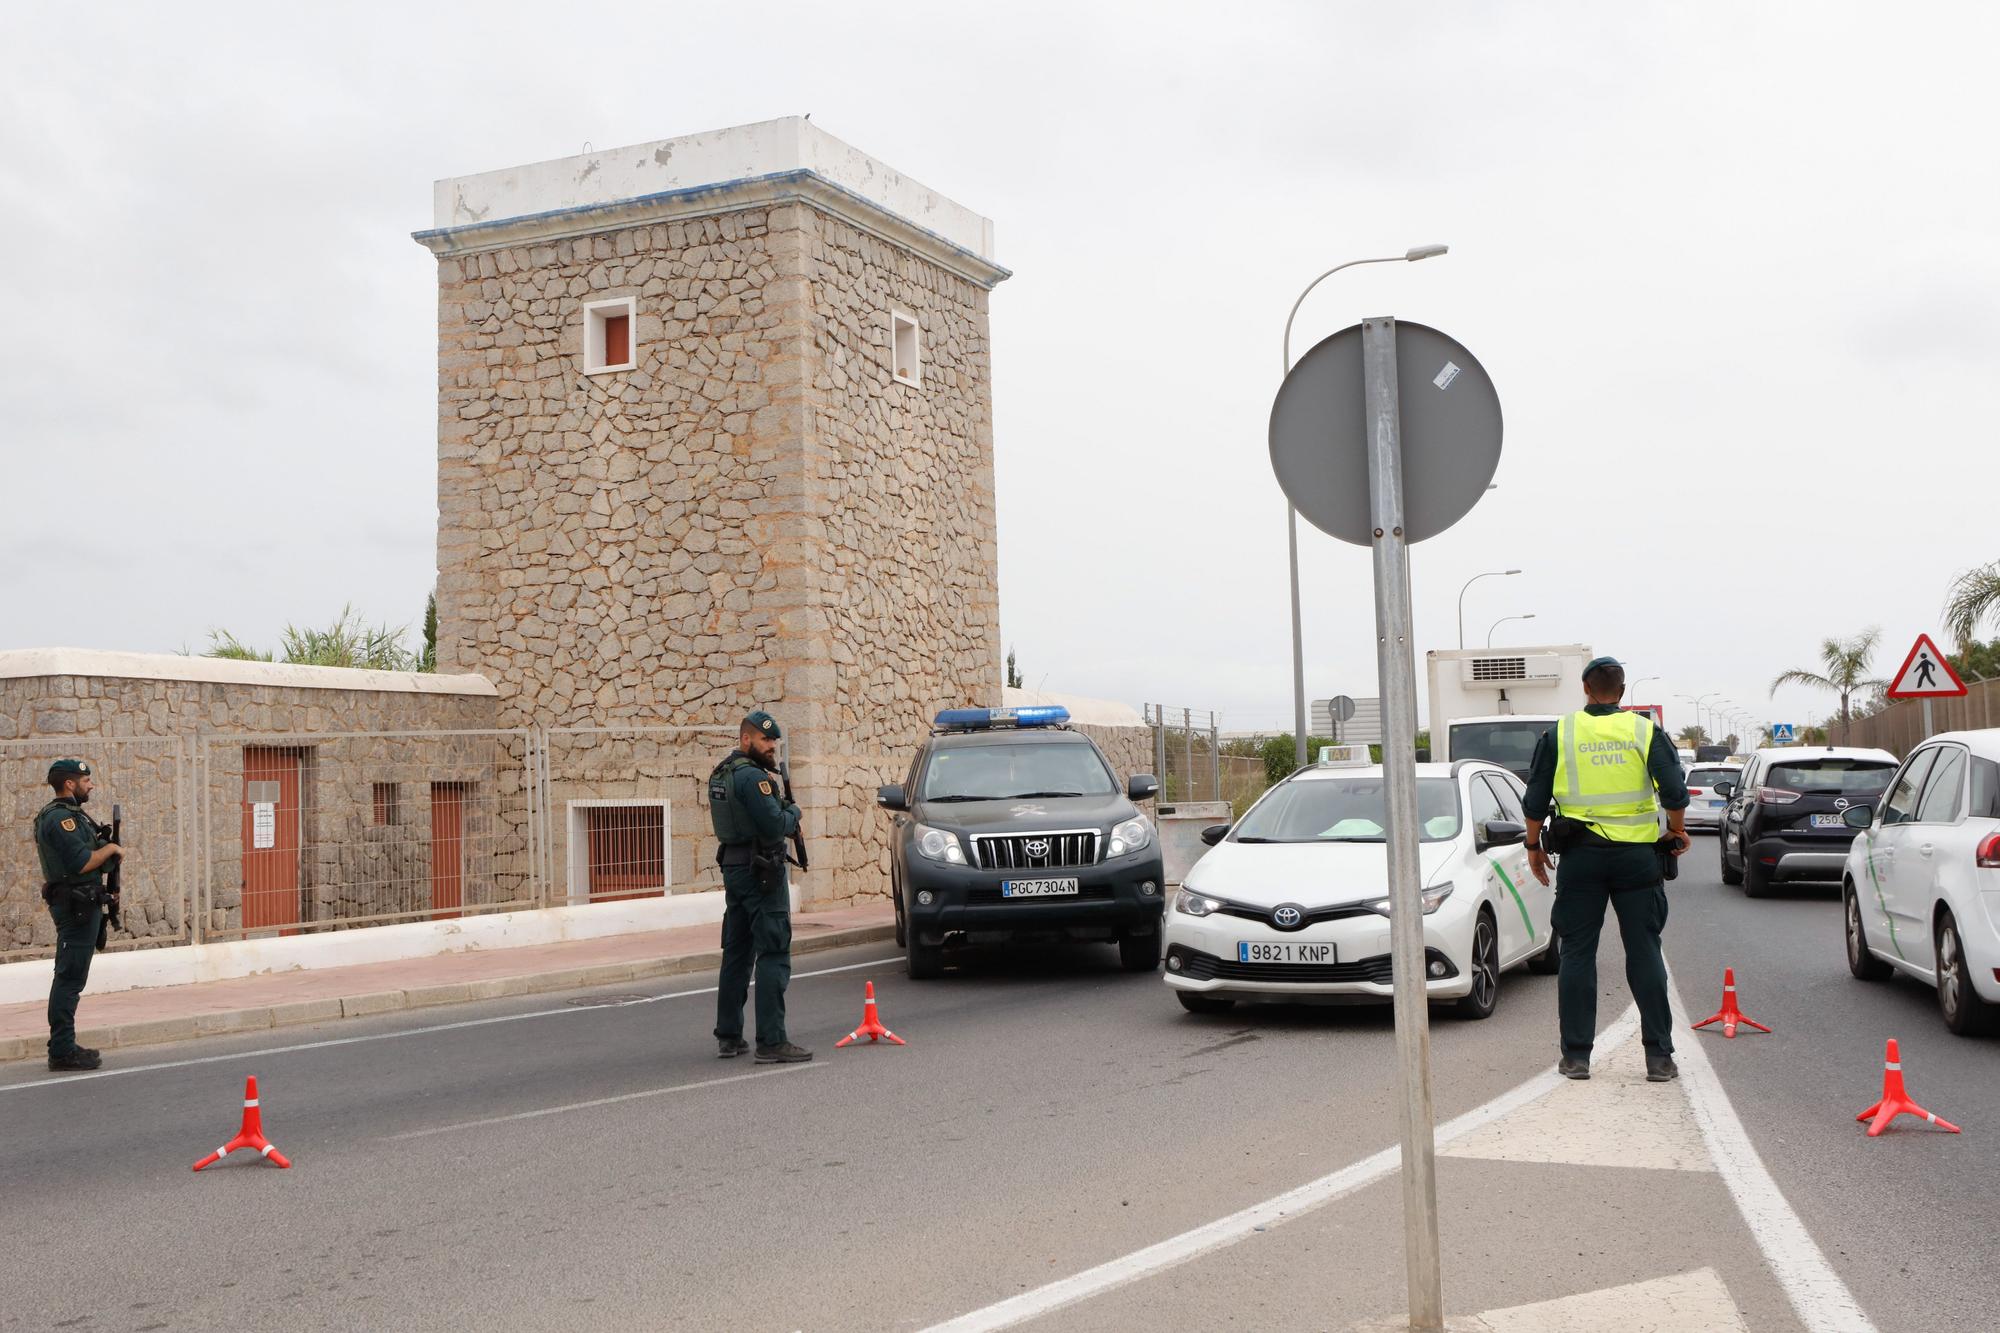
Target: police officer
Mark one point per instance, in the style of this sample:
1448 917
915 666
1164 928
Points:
1610 772
752 822
75 851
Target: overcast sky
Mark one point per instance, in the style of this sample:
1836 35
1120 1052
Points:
1731 268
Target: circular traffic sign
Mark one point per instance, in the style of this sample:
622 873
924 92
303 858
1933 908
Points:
1342 708
1450 433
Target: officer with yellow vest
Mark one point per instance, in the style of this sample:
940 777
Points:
1608 773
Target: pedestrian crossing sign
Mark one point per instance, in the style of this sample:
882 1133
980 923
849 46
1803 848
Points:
1925 674
1783 733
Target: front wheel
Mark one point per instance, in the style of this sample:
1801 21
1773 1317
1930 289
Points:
1485 964
1862 964
902 925
1139 953
1197 1003
1965 1013
923 962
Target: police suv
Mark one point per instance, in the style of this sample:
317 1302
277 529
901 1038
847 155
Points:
1009 826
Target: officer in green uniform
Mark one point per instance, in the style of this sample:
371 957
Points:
1611 773
75 851
752 822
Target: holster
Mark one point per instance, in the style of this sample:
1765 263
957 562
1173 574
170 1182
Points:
1670 865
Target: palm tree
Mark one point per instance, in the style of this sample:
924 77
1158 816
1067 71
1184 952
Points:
1846 670
1974 596
1692 736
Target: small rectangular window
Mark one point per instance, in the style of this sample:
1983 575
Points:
385 803
608 341
906 348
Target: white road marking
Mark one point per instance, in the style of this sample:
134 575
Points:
598 1101
411 1032
1270 1213
1821 1300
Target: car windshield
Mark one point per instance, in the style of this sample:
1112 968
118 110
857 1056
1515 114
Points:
1311 809
1833 776
1003 772
1708 777
1510 744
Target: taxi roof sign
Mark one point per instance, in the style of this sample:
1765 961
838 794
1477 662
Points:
1925 674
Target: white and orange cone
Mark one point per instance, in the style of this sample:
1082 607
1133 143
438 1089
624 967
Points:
871 1024
1730 1016
251 1136
1895 1101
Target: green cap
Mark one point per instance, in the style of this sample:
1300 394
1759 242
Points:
1594 663
68 768
764 722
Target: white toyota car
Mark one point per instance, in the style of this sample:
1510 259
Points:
1291 901
1921 889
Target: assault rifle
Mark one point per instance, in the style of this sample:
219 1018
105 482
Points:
114 882
797 856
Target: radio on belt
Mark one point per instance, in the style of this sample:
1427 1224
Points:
990 719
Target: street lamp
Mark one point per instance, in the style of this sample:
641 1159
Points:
1412 255
1489 574
1501 621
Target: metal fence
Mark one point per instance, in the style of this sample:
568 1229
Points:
625 810
1899 728
1186 752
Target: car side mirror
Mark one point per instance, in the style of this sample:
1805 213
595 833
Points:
892 798
1215 833
1857 816
1724 789
1501 833
1142 787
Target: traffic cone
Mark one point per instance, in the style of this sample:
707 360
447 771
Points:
252 1134
1730 1015
871 1024
1895 1101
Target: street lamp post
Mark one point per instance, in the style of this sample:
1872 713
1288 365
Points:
1501 621
1489 574
1412 255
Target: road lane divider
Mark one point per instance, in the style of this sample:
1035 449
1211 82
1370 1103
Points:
597 1102
429 1030
1275 1211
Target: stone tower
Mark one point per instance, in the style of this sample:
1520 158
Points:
715 433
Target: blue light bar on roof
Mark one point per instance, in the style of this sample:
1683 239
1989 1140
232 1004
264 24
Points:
985 719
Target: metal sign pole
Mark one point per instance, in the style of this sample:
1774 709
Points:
1395 660
1929 730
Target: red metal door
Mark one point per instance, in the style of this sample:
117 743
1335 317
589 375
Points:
447 849
271 809
628 846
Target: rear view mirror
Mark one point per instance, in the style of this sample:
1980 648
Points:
1142 787
1725 788
1857 816
1215 833
1502 833
891 798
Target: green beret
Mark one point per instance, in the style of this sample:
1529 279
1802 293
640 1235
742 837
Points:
763 722
1596 662
68 768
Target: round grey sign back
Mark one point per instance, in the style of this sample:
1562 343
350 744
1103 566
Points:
1450 433
1342 707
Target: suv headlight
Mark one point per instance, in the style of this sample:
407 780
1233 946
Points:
1195 904
1133 835
937 845
1433 898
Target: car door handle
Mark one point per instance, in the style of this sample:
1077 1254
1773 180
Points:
1925 850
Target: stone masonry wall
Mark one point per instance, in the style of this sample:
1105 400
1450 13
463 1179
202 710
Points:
147 742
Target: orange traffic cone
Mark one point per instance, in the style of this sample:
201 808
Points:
1895 1101
251 1136
871 1024
1730 1015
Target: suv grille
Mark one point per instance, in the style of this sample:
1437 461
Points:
1035 851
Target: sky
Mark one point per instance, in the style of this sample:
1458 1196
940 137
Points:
1730 268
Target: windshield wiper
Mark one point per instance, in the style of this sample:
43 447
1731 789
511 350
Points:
940 800
1253 838
1025 795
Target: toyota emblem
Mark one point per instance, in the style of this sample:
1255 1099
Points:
1840 803
1287 917
1038 847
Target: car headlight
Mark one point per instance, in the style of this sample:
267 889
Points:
1433 898
1195 904
938 845
1131 836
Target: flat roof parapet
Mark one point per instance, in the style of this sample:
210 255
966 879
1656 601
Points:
29 663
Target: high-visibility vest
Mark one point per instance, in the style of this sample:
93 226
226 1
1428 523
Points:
1601 774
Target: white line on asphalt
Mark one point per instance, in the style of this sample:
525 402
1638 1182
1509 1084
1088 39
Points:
406 1032
1821 1300
598 1101
1270 1213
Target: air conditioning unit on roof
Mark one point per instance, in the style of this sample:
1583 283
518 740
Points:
1536 669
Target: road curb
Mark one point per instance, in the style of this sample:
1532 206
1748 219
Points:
182 1027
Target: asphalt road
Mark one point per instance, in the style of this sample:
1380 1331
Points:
1908 1219
543 1164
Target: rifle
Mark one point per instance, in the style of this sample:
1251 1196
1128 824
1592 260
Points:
797 856
114 884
